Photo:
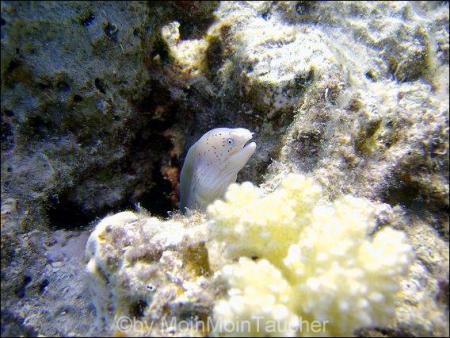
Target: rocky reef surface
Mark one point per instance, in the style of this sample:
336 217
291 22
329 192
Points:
100 102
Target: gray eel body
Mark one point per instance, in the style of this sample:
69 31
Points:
212 164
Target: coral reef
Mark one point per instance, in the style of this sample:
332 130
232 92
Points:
100 102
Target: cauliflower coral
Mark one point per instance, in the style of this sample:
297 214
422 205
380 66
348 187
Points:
295 264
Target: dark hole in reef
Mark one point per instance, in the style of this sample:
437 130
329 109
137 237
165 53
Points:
194 30
137 309
9 113
214 55
99 85
443 294
44 85
156 199
404 193
65 214
147 158
6 135
43 285
63 86
20 290
38 125
194 21
160 114
13 65
87 20
160 48
307 146
303 7
302 82
2 21
111 31
77 98
195 315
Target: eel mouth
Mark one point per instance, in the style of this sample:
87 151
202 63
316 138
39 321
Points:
247 145
249 148
248 142
240 158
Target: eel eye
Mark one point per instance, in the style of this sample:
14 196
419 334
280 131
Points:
230 141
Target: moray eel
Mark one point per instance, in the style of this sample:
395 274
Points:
212 164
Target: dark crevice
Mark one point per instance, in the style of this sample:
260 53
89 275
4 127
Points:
157 199
194 19
137 309
65 214
403 193
14 64
9 113
303 7
45 84
37 127
161 49
266 15
150 150
148 160
63 86
20 291
111 31
43 285
99 85
6 135
307 146
195 30
87 20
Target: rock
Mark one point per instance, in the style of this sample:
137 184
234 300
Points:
41 295
153 272
83 119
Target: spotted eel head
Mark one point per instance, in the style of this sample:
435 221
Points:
226 149
212 164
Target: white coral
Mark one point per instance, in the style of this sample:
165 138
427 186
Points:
326 268
255 306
